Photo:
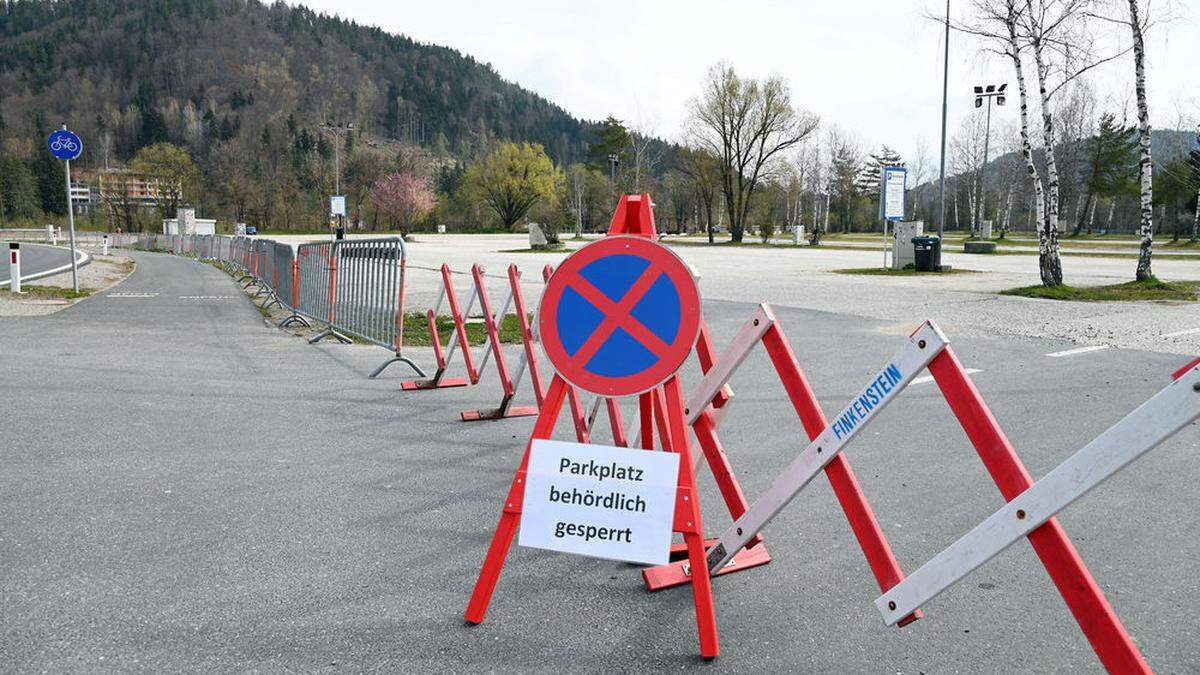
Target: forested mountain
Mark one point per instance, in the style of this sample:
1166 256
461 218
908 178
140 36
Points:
186 70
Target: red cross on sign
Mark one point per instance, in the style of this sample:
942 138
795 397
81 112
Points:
619 316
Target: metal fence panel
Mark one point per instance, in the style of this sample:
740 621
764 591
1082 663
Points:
283 255
368 293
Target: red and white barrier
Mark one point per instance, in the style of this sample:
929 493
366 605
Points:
743 549
445 355
495 351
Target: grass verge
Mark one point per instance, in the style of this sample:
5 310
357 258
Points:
50 292
1150 290
560 249
908 272
416 329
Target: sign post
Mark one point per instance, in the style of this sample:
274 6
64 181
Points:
66 146
891 202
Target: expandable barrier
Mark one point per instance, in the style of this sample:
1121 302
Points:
1031 508
458 338
492 322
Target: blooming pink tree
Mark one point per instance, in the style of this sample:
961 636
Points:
403 199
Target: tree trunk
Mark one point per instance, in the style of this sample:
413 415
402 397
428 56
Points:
1196 220
1145 164
1089 206
1045 262
1048 248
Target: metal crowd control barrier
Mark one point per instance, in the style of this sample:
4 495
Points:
364 282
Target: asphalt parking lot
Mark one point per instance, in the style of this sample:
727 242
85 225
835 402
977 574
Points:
187 488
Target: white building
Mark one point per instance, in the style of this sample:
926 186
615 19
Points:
186 222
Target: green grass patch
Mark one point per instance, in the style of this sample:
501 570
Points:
1150 290
49 292
416 329
906 272
560 249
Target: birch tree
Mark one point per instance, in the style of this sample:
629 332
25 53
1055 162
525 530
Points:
1054 34
1194 167
1145 162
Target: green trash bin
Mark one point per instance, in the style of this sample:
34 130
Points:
927 253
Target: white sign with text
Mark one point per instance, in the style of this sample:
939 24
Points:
600 501
337 205
893 193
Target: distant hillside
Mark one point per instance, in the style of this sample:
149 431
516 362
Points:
198 71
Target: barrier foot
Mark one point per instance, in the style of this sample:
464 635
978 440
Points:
329 332
498 413
295 318
273 301
680 572
396 359
418 385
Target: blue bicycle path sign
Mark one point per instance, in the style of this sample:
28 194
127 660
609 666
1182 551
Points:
64 145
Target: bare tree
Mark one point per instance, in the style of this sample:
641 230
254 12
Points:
704 171
647 151
746 123
919 170
966 158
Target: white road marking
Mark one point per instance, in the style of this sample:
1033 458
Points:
1177 333
133 295
929 378
1077 350
206 297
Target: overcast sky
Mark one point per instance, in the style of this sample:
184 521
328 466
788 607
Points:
873 67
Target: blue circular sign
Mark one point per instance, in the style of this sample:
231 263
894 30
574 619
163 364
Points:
619 316
64 145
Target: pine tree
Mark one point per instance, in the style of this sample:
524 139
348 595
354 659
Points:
1111 156
612 138
51 181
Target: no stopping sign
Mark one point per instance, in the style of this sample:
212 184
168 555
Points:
619 316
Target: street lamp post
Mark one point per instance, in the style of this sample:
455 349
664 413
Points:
613 160
987 92
338 130
945 91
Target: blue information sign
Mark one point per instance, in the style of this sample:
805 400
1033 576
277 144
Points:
64 145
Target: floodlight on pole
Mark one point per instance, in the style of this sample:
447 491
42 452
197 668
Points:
988 92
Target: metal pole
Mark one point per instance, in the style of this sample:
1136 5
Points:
337 174
987 136
71 225
945 93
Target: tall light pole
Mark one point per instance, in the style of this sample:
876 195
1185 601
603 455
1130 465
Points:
945 93
613 160
988 92
338 130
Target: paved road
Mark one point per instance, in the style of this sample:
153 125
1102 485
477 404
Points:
185 488
39 260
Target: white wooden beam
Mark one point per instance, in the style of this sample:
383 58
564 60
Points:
1150 424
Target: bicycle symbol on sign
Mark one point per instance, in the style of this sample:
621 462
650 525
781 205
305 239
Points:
64 144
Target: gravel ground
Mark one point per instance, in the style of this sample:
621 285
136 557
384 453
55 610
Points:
964 304
104 272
